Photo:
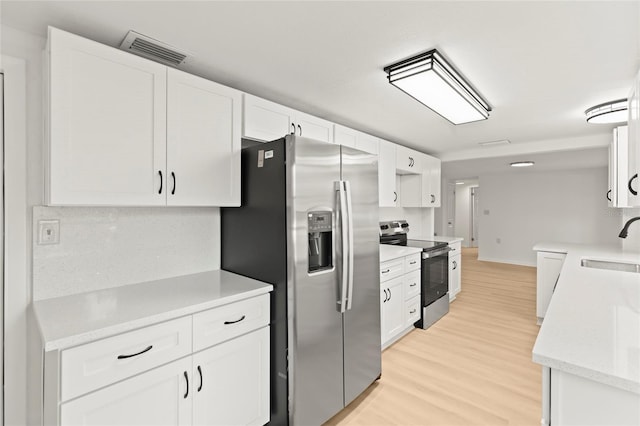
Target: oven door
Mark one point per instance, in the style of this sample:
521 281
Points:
435 275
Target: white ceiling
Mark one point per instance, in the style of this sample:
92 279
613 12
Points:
544 162
539 64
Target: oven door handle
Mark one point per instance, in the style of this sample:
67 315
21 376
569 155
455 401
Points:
431 254
342 211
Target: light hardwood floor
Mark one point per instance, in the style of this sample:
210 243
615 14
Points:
473 367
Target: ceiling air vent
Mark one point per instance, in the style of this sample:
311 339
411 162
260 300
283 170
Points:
152 49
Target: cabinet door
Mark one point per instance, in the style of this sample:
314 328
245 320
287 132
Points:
455 265
265 120
345 136
106 125
548 271
393 307
633 161
312 127
388 195
158 397
231 382
203 142
435 168
408 160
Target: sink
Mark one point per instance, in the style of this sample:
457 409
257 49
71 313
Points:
614 266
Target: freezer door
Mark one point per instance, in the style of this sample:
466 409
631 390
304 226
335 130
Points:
361 323
315 324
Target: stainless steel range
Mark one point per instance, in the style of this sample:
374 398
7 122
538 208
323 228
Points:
434 270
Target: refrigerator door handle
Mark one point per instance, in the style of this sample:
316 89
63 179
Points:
347 188
342 210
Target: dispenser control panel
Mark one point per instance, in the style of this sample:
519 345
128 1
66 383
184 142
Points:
319 221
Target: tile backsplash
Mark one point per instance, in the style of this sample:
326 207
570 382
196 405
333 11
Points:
103 247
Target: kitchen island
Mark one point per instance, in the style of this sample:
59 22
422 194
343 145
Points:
589 342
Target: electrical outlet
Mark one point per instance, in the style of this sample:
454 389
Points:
48 232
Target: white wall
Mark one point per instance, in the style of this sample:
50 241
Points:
420 220
529 206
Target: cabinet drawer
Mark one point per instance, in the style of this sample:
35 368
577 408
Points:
391 269
219 324
412 262
412 307
455 248
412 284
91 366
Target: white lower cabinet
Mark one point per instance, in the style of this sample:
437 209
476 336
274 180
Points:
153 398
549 265
455 270
399 297
147 377
229 382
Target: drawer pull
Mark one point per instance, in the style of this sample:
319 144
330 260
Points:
413 285
186 394
136 354
387 271
413 311
413 263
200 373
233 322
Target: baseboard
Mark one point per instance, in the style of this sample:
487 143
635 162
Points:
510 262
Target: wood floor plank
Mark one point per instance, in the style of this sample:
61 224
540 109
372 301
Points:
473 367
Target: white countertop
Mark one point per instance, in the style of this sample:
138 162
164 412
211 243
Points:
592 325
446 239
388 252
73 320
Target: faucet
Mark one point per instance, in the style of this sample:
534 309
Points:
625 230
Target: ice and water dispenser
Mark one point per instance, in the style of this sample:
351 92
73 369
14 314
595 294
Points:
320 240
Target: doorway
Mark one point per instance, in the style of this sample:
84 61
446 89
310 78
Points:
474 226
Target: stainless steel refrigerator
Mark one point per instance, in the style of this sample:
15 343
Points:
308 224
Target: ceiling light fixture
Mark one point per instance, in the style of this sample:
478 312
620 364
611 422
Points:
522 164
608 112
459 183
432 81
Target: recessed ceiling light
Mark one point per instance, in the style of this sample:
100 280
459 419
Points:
491 143
522 164
459 183
608 112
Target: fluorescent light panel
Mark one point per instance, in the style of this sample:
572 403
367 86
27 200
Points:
608 112
522 164
432 81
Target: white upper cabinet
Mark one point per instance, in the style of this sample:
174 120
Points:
618 169
431 177
633 160
126 131
423 189
388 193
266 121
408 161
203 142
106 125
355 139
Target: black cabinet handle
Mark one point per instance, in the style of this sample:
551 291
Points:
413 263
410 161
186 394
455 265
389 294
386 271
294 128
173 176
433 198
608 192
633 191
160 173
395 196
233 322
386 295
200 373
300 129
136 354
411 312
413 285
